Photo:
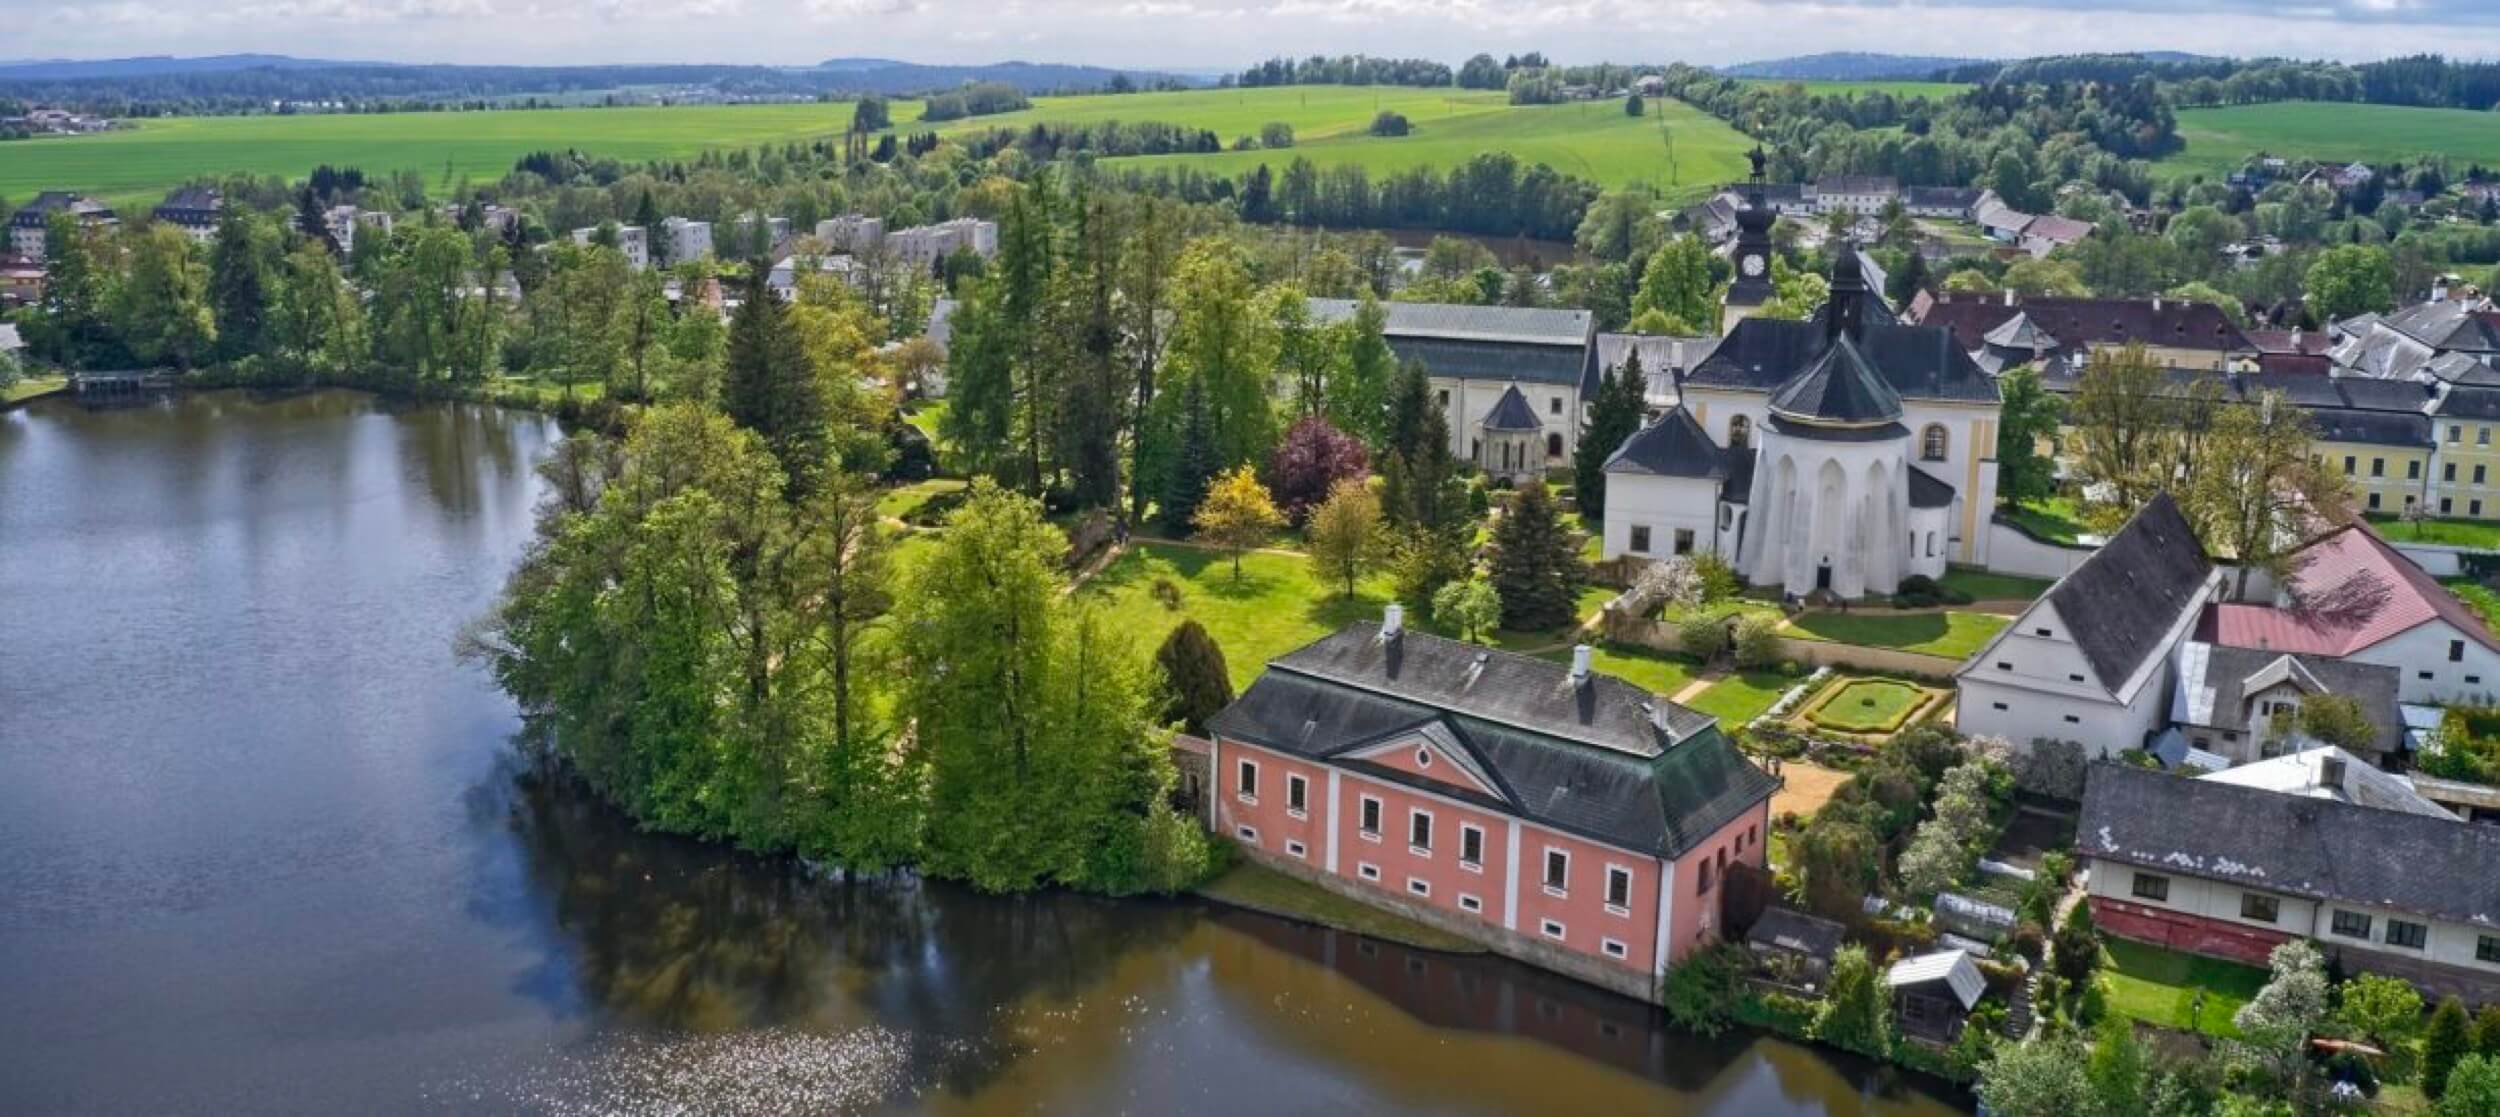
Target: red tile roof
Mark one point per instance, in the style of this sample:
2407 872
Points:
2350 590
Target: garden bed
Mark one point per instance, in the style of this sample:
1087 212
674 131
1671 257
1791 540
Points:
1867 706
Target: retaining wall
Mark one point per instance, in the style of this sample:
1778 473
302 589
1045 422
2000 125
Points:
1661 636
2011 550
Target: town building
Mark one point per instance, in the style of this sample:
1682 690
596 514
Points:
2447 340
632 240
346 223
2241 703
2178 333
686 239
1555 814
2216 867
2092 660
27 225
783 279
1474 355
924 246
21 281
195 210
855 234
2351 596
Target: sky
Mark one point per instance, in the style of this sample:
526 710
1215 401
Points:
1228 34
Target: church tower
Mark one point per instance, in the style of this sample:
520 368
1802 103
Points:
1752 286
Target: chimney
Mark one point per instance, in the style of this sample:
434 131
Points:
2439 289
2331 772
2009 297
2157 304
1579 665
1392 621
1657 712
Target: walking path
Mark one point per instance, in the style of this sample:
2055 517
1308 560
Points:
1692 690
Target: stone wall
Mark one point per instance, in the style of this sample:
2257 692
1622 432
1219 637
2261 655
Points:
2011 550
1661 636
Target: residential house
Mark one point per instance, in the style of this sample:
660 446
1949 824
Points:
1951 203
2048 232
1474 355
1863 195
27 225
346 223
2240 703
2216 867
784 277
2351 596
2407 344
924 246
195 210
686 239
1663 487
1552 813
632 240
854 234
2179 333
21 281
2092 660
2463 417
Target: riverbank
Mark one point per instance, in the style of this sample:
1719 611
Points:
1252 887
30 389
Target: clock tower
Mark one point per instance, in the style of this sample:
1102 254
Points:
1752 286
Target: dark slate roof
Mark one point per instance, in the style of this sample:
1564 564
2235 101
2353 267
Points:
1581 758
1527 344
1917 362
2462 368
2462 402
2372 428
1792 930
2178 323
2124 598
1661 357
2292 844
2384 395
1673 446
1928 492
1941 197
1839 388
1738 489
2448 325
2227 670
1512 413
2020 332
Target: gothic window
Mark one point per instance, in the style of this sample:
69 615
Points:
1553 446
1931 444
1739 433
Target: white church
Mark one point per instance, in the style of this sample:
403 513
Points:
1835 455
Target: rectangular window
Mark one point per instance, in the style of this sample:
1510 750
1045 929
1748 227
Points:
1249 783
1469 903
2352 925
1297 795
2044 632
1614 949
1998 705
2448 472
1640 539
1552 929
1248 834
2151 887
2374 501
1419 831
2073 720
1470 845
1296 848
1370 824
2456 433
1444 396
1367 871
1419 886
1618 888
2260 907
2487 948
2482 436
1703 880
2349 462
2413 470
2378 467
2411 936
1557 871
1684 541
2004 666
2478 474
1554 405
2456 651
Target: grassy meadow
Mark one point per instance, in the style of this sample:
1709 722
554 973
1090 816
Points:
134 167
2220 139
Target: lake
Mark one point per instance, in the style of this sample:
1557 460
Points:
267 845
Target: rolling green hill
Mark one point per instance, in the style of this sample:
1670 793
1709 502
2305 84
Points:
1933 90
134 167
2219 140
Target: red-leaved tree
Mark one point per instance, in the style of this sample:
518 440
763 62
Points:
1311 459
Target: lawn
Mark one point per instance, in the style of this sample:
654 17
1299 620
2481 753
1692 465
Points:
2220 139
29 387
2055 519
2478 534
2158 987
1656 672
1983 585
2477 597
1277 605
1873 706
1263 889
1952 635
1742 697
904 500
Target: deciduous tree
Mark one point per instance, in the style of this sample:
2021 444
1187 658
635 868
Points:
1345 533
1238 515
2026 418
2259 486
1309 463
1470 607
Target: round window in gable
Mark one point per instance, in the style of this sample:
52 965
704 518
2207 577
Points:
1423 758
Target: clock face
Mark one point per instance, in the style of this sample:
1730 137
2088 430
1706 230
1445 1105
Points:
1753 265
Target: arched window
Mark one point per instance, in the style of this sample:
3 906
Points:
1931 544
1553 446
1739 433
1931 442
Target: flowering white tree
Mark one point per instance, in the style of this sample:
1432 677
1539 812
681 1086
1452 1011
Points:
1673 584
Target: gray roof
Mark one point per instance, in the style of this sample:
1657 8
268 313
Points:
2371 428
2020 332
1662 358
1512 413
2448 325
2297 845
1951 968
2120 602
1672 446
2465 402
2215 682
1926 491
1796 931
1917 362
2327 772
1840 387
1527 344
1584 758
2462 368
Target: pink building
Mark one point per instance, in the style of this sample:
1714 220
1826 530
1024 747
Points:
1562 817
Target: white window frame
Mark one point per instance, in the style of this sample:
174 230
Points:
1418 886
1554 929
1614 949
1380 812
1413 813
1563 890
1296 782
1464 829
1250 767
1367 871
1248 834
1630 879
1297 849
1471 903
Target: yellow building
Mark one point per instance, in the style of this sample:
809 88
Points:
2466 484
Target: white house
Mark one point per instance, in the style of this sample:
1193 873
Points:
348 222
1474 355
2092 660
687 240
2351 596
633 240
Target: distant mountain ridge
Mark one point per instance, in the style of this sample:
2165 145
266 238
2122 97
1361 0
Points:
1846 65
286 76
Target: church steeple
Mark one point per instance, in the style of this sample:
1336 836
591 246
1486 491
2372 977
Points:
1845 313
1752 286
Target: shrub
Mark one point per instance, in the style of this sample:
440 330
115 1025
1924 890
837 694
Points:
1757 641
2449 1041
1703 637
1166 591
1718 579
2078 946
2051 767
1700 992
1856 1015
1195 682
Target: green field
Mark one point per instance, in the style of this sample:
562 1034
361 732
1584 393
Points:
1932 90
134 167
2219 140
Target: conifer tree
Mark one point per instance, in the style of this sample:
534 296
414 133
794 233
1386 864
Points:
1195 681
2450 1039
769 387
1193 467
239 285
1615 415
1536 568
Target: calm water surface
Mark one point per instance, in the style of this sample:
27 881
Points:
266 846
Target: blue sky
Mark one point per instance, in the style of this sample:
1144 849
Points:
1200 34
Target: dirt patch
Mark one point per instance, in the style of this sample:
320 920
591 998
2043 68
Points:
1808 787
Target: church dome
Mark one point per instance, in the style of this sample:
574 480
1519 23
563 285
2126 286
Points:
1840 390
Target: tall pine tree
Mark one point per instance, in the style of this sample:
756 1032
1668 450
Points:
239 262
1536 570
1614 416
768 386
1194 463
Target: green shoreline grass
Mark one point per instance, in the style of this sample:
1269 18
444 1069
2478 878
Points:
1257 888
